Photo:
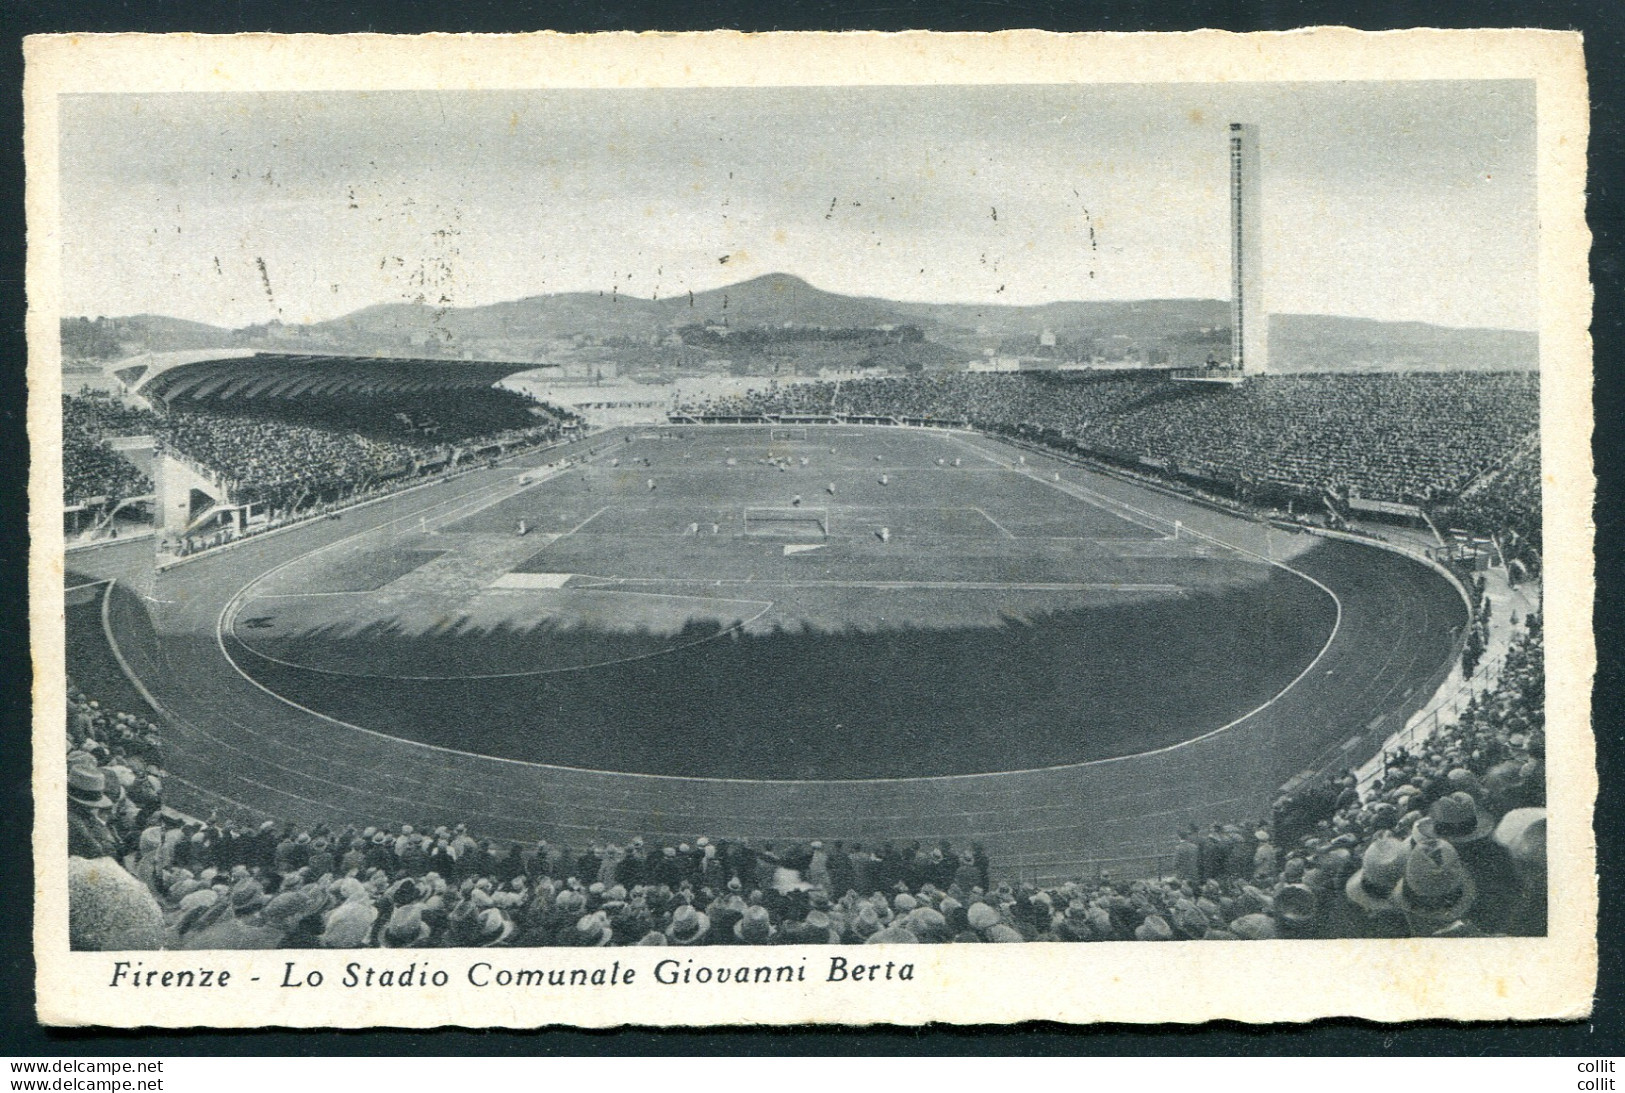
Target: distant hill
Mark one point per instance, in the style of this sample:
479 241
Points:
1332 343
778 298
103 338
553 327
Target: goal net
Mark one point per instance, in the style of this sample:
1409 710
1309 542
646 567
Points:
787 521
789 432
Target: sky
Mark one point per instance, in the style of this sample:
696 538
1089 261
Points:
1396 201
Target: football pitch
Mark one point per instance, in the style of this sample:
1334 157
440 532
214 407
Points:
745 603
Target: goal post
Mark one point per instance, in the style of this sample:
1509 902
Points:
799 521
788 432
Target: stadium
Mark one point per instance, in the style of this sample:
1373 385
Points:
782 629
393 651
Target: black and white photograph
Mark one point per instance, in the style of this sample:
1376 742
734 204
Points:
781 534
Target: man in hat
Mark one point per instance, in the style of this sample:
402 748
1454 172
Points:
1436 890
1459 818
88 809
109 910
1521 835
1369 909
756 927
349 925
1188 857
688 926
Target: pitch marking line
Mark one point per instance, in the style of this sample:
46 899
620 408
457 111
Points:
994 522
1087 496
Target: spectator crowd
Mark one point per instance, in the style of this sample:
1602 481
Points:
290 454
1448 841
90 468
1509 503
1417 438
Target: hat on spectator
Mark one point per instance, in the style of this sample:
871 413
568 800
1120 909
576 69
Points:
199 897
1189 918
202 912
109 910
927 924
406 927
247 897
1460 778
1459 818
867 922
1381 867
1004 935
1252 900
981 916
820 929
287 909
1505 784
1154 928
1254 927
592 931
892 935
1522 834
496 927
1435 885
348 926
653 937
688 926
756 927
88 786
1297 904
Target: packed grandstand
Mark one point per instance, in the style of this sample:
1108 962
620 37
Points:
1448 840
91 469
297 455
1441 440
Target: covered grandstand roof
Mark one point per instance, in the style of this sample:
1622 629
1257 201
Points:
225 377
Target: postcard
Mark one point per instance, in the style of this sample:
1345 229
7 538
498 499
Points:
683 530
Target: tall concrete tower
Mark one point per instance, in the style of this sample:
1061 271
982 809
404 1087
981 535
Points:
1249 319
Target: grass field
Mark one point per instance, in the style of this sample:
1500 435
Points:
1001 623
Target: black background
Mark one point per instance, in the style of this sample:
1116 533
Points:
1603 23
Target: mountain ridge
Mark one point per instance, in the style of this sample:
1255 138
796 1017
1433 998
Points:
540 326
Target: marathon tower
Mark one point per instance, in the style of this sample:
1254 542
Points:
1249 321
